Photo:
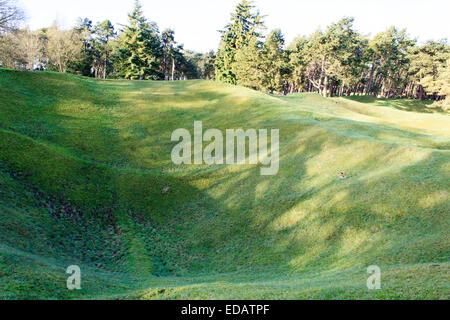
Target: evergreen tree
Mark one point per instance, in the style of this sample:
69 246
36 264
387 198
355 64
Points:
346 58
140 48
104 32
427 62
444 82
248 65
85 31
298 65
333 55
168 49
389 61
181 68
275 63
209 69
245 25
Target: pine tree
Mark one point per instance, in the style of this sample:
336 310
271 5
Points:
85 31
298 65
275 63
209 69
245 24
389 61
444 81
168 48
248 65
346 56
140 48
104 34
427 61
333 56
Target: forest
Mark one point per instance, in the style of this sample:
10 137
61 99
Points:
335 61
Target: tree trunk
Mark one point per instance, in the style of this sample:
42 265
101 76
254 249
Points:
369 83
173 68
105 66
383 89
420 93
165 66
325 87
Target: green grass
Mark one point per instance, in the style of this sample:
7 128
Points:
415 105
83 164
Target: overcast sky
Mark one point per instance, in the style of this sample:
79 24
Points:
196 21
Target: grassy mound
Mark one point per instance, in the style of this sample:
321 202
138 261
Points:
83 164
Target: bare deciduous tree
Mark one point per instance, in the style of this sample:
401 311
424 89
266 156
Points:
10 56
63 47
31 46
10 15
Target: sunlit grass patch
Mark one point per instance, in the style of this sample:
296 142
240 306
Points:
84 165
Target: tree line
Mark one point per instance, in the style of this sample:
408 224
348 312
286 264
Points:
137 51
336 61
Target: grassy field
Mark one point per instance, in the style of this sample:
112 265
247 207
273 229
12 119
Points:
83 164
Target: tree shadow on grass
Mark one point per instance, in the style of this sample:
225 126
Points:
235 220
338 223
413 105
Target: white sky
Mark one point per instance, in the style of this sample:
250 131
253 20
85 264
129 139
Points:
196 21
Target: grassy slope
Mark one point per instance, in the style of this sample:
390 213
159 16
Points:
83 163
